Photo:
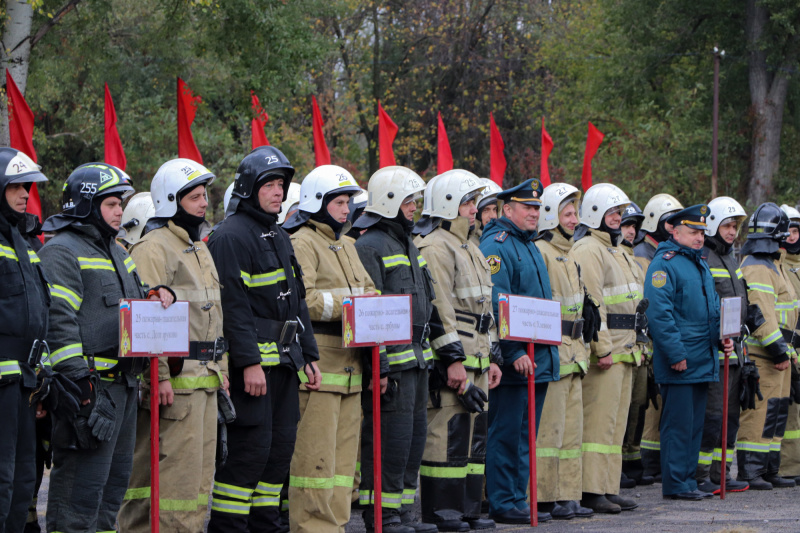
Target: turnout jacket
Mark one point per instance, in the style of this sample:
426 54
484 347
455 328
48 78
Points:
464 292
685 305
645 251
517 267
614 279
396 267
768 287
332 271
729 282
791 270
167 256
89 274
24 303
567 287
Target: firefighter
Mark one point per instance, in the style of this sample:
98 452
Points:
270 340
451 476
289 206
725 218
758 445
790 446
488 206
90 273
396 267
138 211
558 448
324 461
172 253
655 229
517 267
25 301
613 280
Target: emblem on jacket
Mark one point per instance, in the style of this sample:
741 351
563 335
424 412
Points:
494 263
659 278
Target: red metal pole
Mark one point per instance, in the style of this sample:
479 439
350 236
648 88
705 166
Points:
532 439
154 433
376 436
724 473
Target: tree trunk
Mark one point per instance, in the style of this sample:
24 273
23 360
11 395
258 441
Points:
16 54
767 99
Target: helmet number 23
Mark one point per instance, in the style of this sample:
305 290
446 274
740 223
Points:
88 188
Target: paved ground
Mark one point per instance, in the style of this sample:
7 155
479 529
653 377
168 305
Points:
747 512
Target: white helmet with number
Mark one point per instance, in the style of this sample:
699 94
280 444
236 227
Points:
324 180
389 187
292 198
599 199
554 196
428 194
489 194
173 177
793 214
137 212
452 189
658 206
719 210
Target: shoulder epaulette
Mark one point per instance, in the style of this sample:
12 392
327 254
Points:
669 255
501 237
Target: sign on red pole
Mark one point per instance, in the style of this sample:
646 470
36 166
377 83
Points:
376 321
534 321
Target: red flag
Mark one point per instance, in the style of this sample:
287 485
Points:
387 131
593 141
187 109
20 129
497 160
257 124
321 154
444 157
114 154
547 147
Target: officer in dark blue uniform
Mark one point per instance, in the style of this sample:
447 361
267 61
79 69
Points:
517 267
685 305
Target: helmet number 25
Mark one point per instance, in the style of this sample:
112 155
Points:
271 159
88 188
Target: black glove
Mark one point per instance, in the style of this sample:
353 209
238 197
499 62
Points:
794 394
652 387
473 398
750 386
496 356
222 445
226 412
103 417
778 351
59 395
641 322
591 318
754 318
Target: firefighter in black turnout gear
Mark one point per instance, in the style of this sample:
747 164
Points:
23 327
270 339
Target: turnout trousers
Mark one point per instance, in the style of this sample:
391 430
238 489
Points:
790 446
87 486
558 443
403 434
631 445
17 456
606 400
324 462
758 446
44 457
710 462
246 491
507 452
451 475
651 439
681 433
187 448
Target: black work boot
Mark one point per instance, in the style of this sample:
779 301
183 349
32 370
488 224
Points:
626 504
447 520
391 521
599 503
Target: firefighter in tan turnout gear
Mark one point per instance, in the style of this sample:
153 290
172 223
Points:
324 461
172 253
558 445
790 446
451 475
615 282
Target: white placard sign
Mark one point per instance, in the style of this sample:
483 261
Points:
382 319
157 330
730 321
534 319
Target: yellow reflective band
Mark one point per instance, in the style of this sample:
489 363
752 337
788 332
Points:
408 496
223 489
32 257
449 472
95 263
8 252
59 291
230 507
398 358
196 382
720 272
269 353
651 445
389 500
476 469
8 368
787 435
395 260
739 274
263 280
621 357
343 481
752 446
101 363
66 352
476 363
728 456
421 261
141 493
705 458
761 287
336 380
608 449
130 264
269 488
427 354
635 456
266 501
312 482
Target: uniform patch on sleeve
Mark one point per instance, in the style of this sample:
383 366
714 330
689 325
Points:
494 263
500 237
659 278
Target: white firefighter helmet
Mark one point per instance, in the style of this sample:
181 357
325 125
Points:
226 200
137 212
554 196
173 177
489 194
720 209
452 189
791 212
292 198
322 181
599 199
388 189
426 201
655 209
